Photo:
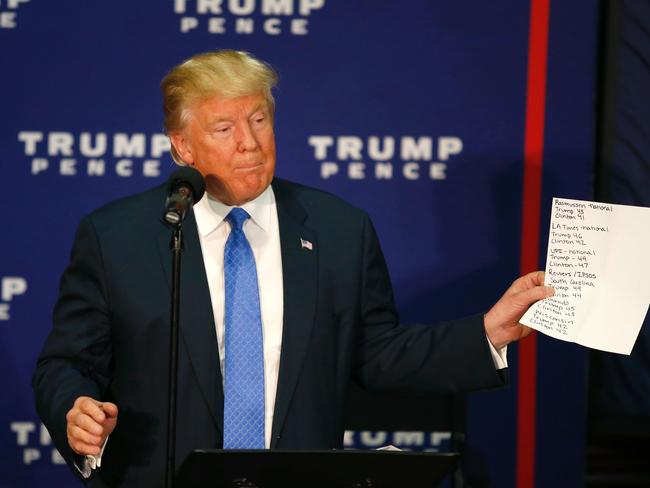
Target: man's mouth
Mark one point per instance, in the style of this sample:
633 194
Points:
249 166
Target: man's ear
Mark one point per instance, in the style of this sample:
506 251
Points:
182 146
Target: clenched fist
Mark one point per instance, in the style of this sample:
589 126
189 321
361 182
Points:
89 424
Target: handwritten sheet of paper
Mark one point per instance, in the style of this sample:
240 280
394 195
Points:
598 261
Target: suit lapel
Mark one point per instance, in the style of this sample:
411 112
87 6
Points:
299 271
197 328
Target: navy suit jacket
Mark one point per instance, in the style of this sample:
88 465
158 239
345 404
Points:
110 339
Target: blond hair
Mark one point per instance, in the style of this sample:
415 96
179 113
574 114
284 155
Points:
225 73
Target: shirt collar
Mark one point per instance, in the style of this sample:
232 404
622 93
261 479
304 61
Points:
210 213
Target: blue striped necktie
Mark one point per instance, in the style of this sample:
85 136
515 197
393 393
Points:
243 416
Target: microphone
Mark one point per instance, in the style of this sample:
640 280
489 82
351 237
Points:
185 187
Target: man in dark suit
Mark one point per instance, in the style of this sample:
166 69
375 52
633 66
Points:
322 302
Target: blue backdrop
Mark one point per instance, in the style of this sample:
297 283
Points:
412 110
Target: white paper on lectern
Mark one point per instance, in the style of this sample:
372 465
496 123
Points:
599 264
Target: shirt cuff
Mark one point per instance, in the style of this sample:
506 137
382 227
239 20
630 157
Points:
90 462
499 356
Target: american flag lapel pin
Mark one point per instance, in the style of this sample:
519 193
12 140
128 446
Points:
305 244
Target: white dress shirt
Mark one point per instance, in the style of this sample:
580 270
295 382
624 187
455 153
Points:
263 234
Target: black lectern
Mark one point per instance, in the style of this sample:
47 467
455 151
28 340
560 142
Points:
314 469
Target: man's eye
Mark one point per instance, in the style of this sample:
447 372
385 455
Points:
223 130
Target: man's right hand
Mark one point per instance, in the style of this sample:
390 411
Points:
89 424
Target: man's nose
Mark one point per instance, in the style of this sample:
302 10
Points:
246 140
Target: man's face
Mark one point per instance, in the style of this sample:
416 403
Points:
230 141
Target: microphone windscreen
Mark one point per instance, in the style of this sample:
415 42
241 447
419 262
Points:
191 178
